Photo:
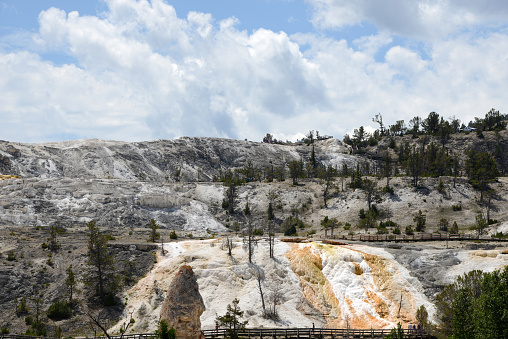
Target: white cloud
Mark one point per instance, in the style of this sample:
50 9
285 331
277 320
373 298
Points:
427 19
142 72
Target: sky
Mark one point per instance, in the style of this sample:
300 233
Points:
136 70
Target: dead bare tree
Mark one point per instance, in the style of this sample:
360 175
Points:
272 196
271 238
260 276
227 244
102 323
275 299
251 241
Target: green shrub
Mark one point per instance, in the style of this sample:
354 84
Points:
109 237
500 235
163 332
290 224
59 310
5 330
492 221
44 246
38 329
388 189
391 223
258 232
11 256
290 231
441 187
396 230
22 307
409 230
109 300
457 207
455 228
173 235
444 224
29 320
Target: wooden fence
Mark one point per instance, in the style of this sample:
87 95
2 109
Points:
410 238
309 333
267 333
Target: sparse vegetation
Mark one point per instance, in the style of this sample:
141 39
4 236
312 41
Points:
425 159
154 235
11 256
232 320
420 219
164 332
59 310
100 276
290 224
475 306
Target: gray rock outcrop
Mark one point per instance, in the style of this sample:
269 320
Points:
194 159
184 305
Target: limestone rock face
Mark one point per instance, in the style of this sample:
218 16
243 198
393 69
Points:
183 305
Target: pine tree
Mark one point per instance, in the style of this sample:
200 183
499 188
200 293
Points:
53 244
387 168
231 321
420 220
154 235
101 274
70 283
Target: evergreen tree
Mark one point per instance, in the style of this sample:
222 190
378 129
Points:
101 274
231 321
330 223
420 220
431 124
481 169
475 306
270 214
53 243
70 283
230 200
327 177
154 235
480 223
387 168
414 165
295 170
370 191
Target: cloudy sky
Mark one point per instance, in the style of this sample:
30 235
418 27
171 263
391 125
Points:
137 70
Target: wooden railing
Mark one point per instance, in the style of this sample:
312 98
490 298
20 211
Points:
308 333
125 336
410 238
254 333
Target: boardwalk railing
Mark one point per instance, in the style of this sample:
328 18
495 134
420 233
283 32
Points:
125 336
307 333
410 238
255 333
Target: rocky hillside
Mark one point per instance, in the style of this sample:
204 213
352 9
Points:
493 142
197 159
123 185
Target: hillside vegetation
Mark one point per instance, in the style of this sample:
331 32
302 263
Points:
192 194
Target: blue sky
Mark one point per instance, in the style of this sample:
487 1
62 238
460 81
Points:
140 70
